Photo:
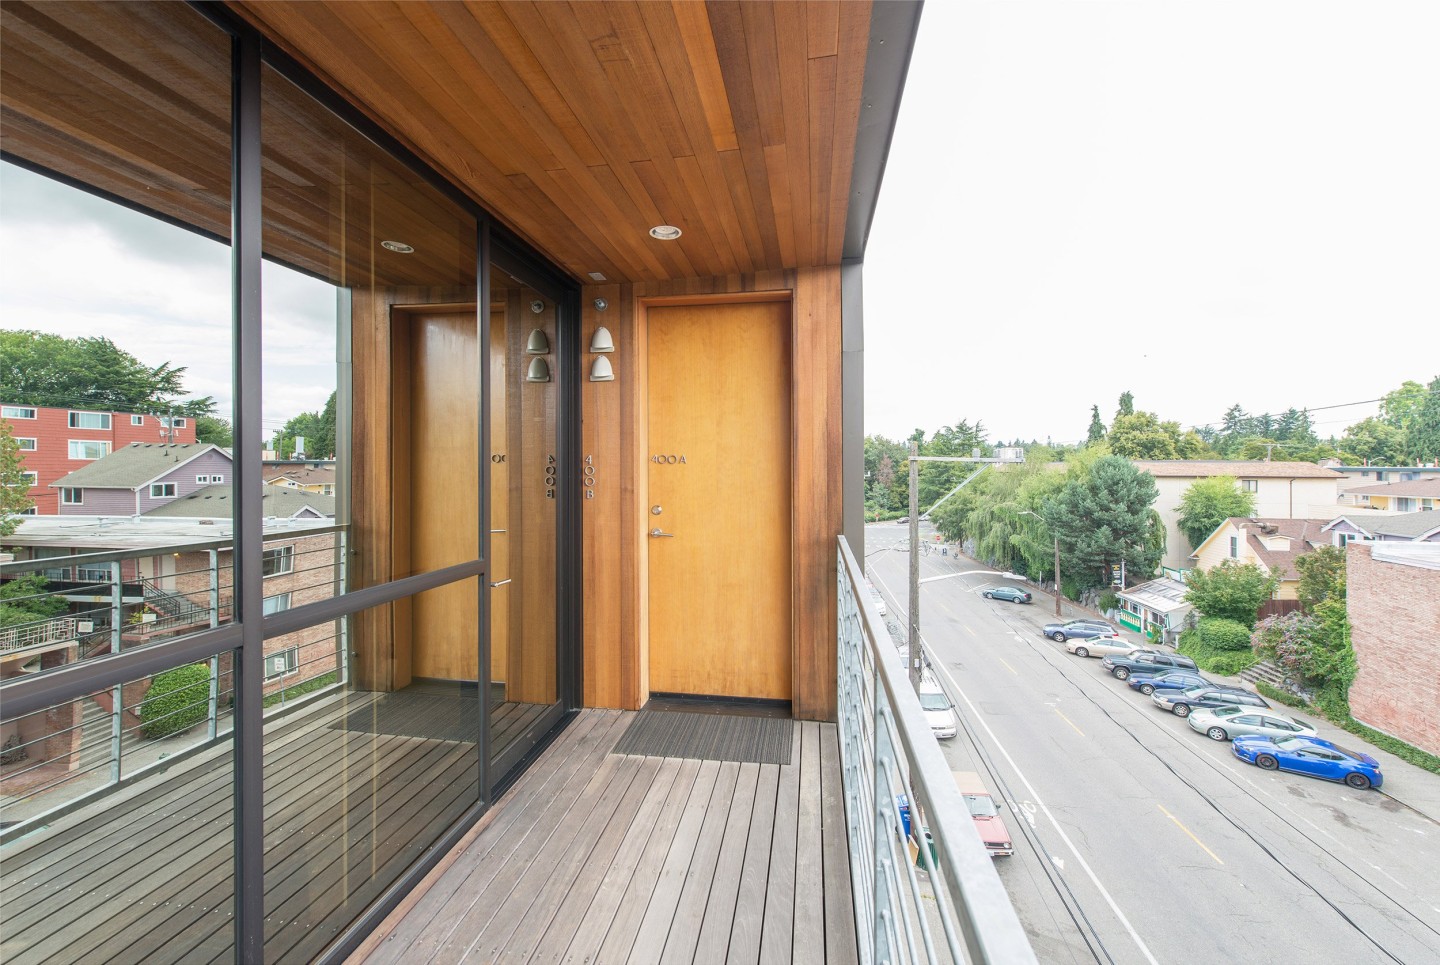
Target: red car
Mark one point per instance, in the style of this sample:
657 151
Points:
985 814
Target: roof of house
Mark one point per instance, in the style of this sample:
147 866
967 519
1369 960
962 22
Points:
1406 487
304 475
1305 535
1249 469
1403 525
1163 595
135 465
217 502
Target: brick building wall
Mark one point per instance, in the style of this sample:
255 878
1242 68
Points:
1395 630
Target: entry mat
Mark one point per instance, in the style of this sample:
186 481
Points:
452 717
708 737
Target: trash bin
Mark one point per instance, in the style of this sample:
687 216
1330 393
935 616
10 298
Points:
929 843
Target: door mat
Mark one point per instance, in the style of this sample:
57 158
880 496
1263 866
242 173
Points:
708 737
426 715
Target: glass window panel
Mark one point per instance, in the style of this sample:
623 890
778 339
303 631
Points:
91 868
358 783
115 310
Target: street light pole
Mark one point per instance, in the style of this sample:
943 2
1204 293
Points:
913 610
1026 512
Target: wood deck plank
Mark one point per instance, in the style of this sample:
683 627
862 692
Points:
775 936
840 938
744 945
683 930
808 940
713 941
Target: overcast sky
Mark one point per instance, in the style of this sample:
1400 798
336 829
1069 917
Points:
1203 203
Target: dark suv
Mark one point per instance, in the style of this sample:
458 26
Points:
1180 704
1146 663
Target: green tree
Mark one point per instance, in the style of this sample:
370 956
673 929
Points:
1104 518
1097 428
14 486
1230 591
1375 441
1399 407
214 430
316 428
1141 435
1127 404
1322 576
1422 434
1208 503
37 368
26 599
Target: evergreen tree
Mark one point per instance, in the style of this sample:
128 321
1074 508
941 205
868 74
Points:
1127 404
1141 435
1208 503
1104 518
1422 435
41 369
1097 428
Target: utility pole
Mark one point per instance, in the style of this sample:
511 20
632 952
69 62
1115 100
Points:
913 609
1057 576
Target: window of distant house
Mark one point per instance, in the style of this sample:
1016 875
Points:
282 663
29 511
166 421
1234 547
214 478
279 560
162 490
1405 504
17 412
89 420
275 604
26 445
32 479
1250 485
92 574
137 420
72 497
88 449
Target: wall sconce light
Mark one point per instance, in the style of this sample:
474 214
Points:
537 306
600 370
538 343
601 304
601 340
539 371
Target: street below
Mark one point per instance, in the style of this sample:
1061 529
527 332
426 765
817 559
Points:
1137 839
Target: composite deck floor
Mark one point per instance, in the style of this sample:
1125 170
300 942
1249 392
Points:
600 857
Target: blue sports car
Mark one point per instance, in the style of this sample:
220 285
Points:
1314 756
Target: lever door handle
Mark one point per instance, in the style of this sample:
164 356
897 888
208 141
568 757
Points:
658 532
499 583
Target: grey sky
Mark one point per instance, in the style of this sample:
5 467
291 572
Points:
1203 203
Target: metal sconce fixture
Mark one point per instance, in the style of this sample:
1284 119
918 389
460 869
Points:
538 343
601 371
601 342
537 306
539 371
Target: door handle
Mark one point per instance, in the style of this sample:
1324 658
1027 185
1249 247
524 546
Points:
658 532
500 583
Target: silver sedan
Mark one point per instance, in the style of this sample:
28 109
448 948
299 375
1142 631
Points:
1226 723
1101 647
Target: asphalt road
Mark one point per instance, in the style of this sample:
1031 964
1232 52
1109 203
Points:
1138 840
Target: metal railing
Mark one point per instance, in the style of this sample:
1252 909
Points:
887 750
38 634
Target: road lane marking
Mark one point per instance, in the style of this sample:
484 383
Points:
1007 666
970 631
1189 832
1070 722
1094 879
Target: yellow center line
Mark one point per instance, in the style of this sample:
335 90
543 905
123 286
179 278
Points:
1070 722
1189 832
970 631
1007 666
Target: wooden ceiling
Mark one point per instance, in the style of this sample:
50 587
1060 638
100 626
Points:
583 124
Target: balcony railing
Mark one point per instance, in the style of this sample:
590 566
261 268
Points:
887 750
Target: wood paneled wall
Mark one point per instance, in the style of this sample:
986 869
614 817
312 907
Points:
615 520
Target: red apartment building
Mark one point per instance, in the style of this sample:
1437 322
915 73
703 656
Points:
56 442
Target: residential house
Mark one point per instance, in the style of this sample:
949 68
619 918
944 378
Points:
1272 544
277 502
1156 608
1283 490
1354 477
307 477
556 240
1418 527
140 477
1393 598
1418 495
54 442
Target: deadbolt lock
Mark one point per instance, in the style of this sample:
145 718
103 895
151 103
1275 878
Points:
656 510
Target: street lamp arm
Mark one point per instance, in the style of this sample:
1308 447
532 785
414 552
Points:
951 576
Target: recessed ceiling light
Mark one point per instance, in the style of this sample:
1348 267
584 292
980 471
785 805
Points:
597 276
399 247
665 232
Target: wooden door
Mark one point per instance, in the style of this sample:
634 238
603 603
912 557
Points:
719 437
443 429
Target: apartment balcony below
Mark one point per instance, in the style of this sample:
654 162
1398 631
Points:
604 856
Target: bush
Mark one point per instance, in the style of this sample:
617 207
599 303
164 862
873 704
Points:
1218 646
1229 664
1217 633
178 700
1109 601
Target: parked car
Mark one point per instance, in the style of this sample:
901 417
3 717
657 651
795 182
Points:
879 601
1083 629
1173 680
1181 704
1102 647
1226 723
903 519
985 814
1311 756
939 712
1012 593
1146 663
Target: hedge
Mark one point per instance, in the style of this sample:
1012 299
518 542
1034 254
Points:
1218 646
177 700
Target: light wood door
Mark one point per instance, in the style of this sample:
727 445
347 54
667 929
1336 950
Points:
719 437
444 489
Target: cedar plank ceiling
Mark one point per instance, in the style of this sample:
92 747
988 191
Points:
582 124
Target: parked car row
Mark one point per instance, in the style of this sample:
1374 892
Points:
1258 733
